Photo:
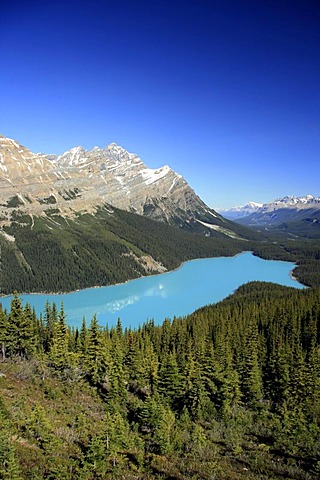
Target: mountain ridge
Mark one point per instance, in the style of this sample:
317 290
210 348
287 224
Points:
240 211
112 166
288 201
81 181
289 215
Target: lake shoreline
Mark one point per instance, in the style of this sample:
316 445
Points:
52 293
176 293
121 283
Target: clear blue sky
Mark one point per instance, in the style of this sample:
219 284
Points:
225 92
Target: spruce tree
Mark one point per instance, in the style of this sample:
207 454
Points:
251 375
3 332
96 357
13 330
9 465
59 343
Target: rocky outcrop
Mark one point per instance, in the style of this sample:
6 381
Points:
80 181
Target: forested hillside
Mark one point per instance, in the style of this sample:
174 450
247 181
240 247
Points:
57 254
230 392
52 253
304 252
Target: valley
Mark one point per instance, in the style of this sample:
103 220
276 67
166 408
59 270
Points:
230 391
290 216
159 240
101 217
158 297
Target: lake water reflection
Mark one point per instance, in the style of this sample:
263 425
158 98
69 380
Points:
177 293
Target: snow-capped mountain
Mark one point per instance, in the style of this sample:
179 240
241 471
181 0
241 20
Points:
290 201
80 180
299 216
240 211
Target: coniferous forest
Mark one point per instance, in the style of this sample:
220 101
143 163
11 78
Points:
229 392
53 254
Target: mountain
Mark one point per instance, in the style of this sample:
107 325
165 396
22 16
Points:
298 216
99 217
240 211
81 181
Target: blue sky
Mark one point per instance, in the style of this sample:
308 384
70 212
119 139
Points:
225 92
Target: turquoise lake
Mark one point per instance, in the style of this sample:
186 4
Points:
177 293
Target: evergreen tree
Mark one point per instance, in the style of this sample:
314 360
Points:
9 465
194 395
149 366
29 340
96 356
170 379
59 343
3 332
83 338
50 318
251 375
13 330
164 430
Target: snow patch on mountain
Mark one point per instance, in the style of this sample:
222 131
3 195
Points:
151 175
218 228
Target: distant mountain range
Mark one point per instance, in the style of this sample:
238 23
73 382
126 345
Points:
234 213
298 216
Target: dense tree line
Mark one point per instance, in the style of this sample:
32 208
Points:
54 254
305 253
232 391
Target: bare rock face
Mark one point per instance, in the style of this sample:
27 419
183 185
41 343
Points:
20 168
80 181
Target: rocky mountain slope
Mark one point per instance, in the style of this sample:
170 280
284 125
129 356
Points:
81 181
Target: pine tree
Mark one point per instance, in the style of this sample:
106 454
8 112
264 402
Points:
277 371
83 338
164 430
50 318
194 394
96 356
9 465
13 330
227 380
150 365
59 343
96 461
170 380
29 340
251 375
38 425
3 332
116 436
